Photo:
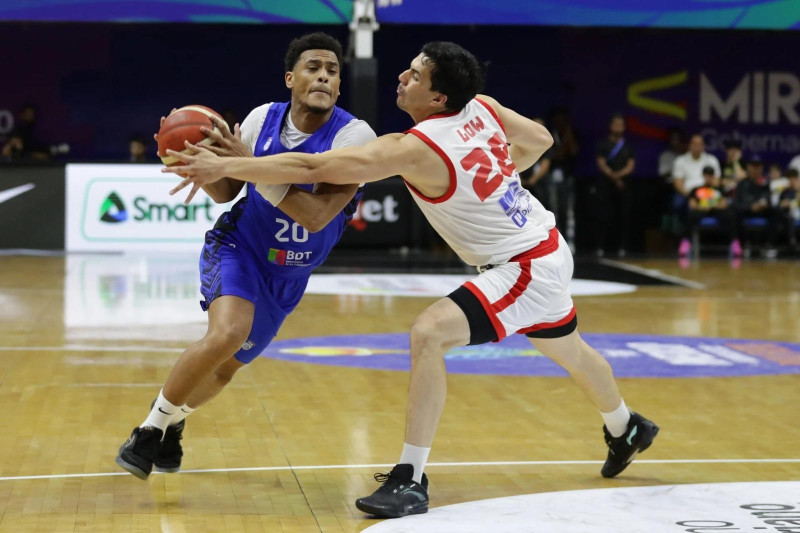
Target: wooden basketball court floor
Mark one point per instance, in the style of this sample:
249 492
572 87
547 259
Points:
284 447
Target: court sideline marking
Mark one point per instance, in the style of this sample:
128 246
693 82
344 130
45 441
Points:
653 273
357 466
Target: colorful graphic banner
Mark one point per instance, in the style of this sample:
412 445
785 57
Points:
303 11
752 14
629 355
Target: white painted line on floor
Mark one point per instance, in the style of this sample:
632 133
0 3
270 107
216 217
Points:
476 463
89 348
100 385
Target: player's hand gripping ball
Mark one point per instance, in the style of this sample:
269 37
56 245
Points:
184 125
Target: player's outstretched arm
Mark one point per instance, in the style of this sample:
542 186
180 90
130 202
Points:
529 140
386 156
314 210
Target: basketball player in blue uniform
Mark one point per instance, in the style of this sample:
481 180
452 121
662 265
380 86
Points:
257 259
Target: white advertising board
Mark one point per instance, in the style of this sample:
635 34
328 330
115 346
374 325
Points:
118 208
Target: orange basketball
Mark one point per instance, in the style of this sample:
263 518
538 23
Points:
184 125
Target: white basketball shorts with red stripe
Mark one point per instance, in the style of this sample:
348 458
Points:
530 294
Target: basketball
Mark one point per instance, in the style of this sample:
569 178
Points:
184 125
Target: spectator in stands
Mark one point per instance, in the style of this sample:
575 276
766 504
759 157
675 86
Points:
616 161
795 163
25 129
14 149
562 167
790 206
137 148
677 146
732 169
753 202
687 172
777 182
537 178
709 201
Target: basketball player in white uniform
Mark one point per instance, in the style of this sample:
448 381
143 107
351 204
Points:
461 162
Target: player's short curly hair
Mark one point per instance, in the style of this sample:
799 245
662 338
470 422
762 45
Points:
311 41
455 73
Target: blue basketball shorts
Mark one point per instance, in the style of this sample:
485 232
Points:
226 270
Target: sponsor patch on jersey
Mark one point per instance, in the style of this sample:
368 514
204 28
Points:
289 257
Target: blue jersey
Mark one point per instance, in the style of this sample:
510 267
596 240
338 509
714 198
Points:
281 246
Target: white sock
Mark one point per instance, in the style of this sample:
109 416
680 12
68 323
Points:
415 456
183 411
161 413
617 420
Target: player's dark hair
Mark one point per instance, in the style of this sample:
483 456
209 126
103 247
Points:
792 173
455 73
311 41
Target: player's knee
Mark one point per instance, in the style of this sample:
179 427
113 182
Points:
426 334
228 339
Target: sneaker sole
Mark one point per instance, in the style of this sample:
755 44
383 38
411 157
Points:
420 508
646 442
131 468
167 470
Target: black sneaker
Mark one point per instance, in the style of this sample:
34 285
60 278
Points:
622 450
399 495
137 454
168 457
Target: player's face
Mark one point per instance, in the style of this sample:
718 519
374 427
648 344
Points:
414 90
315 80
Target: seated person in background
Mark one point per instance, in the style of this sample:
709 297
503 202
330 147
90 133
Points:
677 147
14 149
687 171
777 182
137 150
795 163
789 205
732 170
753 200
706 201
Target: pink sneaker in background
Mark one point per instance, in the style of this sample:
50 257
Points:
684 248
736 248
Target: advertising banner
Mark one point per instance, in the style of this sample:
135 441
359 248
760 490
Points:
117 208
761 14
297 11
32 207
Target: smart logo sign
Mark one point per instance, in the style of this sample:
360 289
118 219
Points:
128 207
629 355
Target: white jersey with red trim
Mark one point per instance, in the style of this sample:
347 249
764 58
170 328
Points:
486 216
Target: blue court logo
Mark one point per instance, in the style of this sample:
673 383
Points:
629 355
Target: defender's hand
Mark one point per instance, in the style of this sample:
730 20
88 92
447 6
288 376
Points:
226 144
200 167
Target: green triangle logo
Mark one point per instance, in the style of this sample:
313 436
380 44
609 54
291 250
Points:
113 210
